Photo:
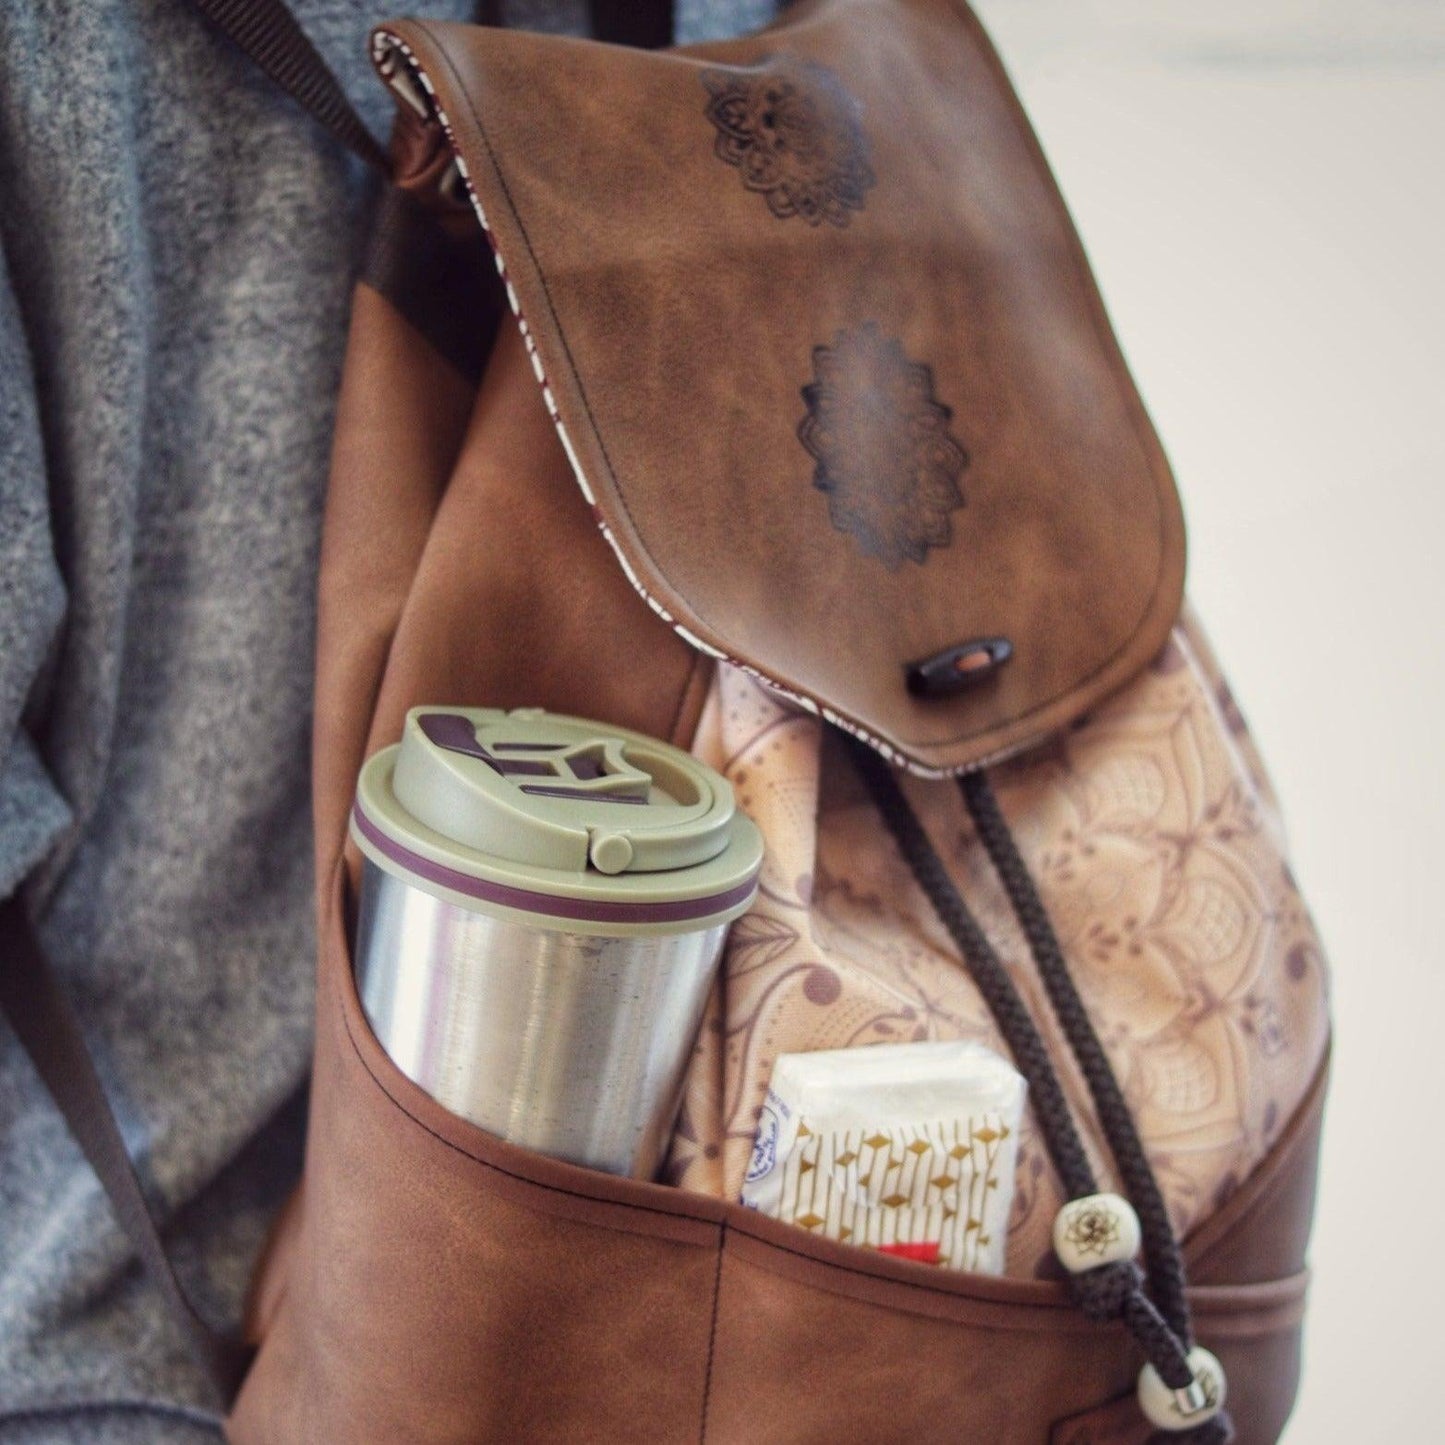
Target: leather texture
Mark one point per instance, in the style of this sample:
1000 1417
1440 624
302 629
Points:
442 1286
430 1283
459 562
426 256
810 302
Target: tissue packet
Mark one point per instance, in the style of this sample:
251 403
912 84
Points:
905 1148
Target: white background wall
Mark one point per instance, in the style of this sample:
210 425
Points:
1261 187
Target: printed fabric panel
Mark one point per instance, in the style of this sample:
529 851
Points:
1157 845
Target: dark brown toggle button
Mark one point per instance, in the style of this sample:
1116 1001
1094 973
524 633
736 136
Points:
964 665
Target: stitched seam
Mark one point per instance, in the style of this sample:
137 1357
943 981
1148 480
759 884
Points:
1263 1180
712 1333
1151 601
1146 438
497 1168
721 1225
699 661
1061 1305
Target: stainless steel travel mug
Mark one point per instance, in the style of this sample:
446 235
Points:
543 906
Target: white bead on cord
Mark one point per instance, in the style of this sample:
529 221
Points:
1100 1229
1199 1401
1094 1230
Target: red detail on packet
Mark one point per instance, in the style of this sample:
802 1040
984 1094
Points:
924 1253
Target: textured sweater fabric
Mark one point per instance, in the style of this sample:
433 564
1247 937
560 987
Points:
177 244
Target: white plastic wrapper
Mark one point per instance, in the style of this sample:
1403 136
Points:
905 1148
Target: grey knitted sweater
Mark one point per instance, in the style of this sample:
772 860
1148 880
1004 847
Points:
176 250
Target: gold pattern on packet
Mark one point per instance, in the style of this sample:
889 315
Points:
922 1192
910 1149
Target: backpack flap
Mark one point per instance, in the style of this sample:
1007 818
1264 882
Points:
825 353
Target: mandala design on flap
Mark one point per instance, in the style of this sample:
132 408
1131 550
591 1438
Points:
795 134
886 459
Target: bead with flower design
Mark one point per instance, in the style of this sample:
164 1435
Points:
1094 1230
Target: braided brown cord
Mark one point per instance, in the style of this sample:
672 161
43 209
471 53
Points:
1113 1291
998 990
1161 1251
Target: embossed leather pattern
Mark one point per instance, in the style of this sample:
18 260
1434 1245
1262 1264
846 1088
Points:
827 357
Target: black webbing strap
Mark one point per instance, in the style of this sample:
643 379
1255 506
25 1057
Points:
647 24
269 34
45 1024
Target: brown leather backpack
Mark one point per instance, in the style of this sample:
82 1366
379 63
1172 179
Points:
790 427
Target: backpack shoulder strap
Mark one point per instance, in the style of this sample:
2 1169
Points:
45 1023
646 24
270 35
268 32
31 998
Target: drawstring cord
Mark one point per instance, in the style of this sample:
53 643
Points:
1166 1268
1111 1291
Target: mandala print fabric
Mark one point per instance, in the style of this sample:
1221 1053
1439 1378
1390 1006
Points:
1158 849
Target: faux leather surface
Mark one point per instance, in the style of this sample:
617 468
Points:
460 565
528 1299
432 1284
828 356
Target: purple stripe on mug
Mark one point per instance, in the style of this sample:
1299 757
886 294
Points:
582 910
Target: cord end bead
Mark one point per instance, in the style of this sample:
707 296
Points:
1179 1410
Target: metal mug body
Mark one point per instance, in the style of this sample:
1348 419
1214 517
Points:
574 1045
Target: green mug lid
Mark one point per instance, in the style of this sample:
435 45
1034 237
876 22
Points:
574 824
